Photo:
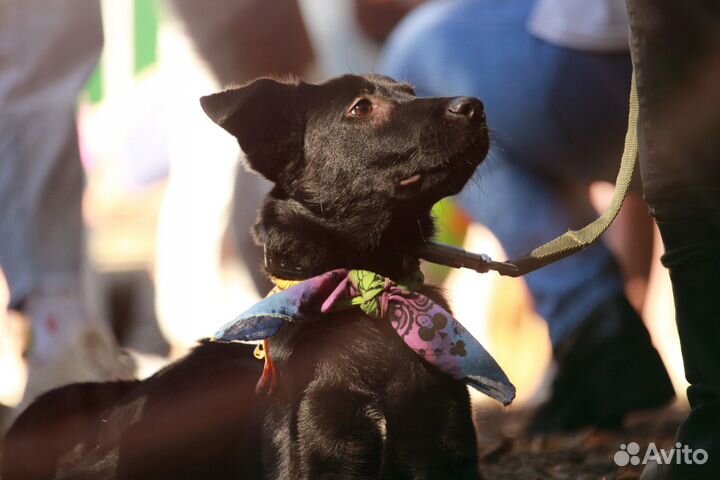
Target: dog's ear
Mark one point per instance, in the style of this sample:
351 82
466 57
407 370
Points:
266 118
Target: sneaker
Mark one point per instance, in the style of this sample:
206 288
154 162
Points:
698 432
606 370
68 345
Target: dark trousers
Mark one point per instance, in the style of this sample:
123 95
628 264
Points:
676 54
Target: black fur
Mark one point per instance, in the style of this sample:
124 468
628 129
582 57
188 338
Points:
352 400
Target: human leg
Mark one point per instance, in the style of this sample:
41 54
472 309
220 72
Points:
552 132
226 36
49 50
523 211
676 47
599 340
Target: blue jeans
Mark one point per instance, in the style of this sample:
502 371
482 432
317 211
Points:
557 119
49 49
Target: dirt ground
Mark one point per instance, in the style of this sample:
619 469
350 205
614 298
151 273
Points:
506 453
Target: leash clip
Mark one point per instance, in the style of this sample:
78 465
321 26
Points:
259 351
456 257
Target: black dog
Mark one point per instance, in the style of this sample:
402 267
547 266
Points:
357 164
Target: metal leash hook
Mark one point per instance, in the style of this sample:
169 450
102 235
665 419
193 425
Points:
460 258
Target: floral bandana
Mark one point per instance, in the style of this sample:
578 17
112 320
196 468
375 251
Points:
427 328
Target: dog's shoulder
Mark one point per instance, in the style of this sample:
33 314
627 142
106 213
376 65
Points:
56 423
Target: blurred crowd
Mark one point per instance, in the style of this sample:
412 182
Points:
113 280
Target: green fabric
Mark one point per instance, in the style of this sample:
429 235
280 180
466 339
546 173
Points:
370 285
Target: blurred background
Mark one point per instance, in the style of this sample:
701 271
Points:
168 204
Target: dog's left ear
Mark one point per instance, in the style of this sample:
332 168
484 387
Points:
266 118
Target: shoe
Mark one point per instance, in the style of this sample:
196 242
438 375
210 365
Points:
13 374
68 345
700 431
606 369
692 259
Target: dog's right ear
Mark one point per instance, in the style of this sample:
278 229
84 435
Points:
266 118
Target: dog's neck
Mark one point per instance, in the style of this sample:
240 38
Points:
300 245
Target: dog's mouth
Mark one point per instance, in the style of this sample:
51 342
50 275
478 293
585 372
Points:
416 180
410 180
469 157
418 177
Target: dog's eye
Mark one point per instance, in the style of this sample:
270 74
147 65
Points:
361 108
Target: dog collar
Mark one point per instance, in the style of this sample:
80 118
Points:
425 327
286 266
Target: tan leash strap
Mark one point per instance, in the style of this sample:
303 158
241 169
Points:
566 244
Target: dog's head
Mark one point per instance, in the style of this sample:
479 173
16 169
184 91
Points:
354 158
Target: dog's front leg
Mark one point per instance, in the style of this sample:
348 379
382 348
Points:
341 434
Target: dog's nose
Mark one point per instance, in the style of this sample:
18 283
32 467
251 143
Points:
465 106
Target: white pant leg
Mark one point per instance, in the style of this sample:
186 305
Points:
48 49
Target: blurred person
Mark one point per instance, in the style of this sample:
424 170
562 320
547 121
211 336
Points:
305 38
377 18
47 52
554 77
241 40
676 54
346 35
